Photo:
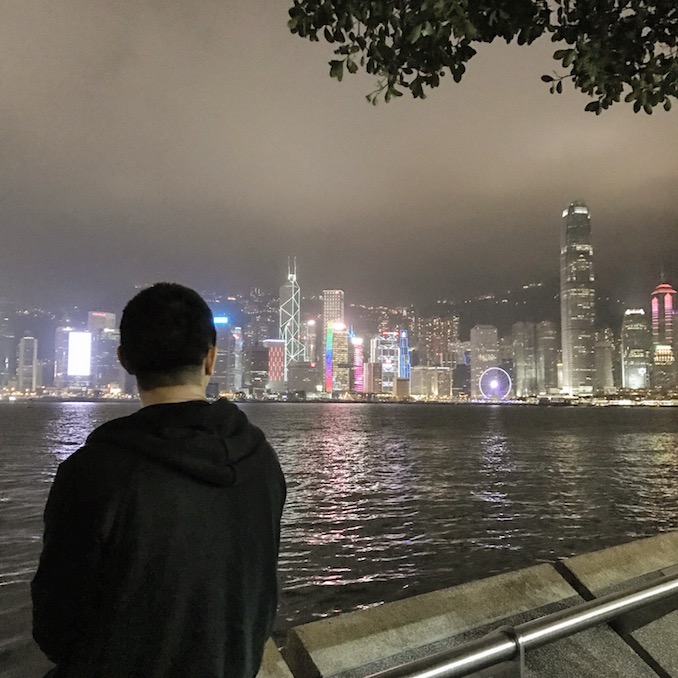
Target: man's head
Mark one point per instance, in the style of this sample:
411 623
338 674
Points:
166 333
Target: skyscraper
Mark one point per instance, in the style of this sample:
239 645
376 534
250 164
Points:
484 355
385 349
664 306
604 352
225 346
524 359
547 357
333 307
333 312
358 375
436 336
337 367
107 373
290 325
7 341
577 300
635 349
276 364
27 364
310 340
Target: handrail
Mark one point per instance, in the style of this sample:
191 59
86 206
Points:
506 644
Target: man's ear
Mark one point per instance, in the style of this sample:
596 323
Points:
123 361
210 361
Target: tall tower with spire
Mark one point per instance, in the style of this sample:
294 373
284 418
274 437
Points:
577 300
290 327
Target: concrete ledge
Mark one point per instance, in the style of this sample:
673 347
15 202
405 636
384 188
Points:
652 631
363 642
272 664
621 564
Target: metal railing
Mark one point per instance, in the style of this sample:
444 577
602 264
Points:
508 644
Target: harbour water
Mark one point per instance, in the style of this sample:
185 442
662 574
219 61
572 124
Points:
387 501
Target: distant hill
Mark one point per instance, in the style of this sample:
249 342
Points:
532 302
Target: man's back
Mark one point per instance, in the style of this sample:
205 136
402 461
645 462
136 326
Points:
161 542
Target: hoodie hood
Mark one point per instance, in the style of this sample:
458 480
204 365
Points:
206 441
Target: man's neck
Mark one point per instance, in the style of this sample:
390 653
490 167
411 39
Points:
172 394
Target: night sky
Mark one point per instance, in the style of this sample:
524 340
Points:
202 142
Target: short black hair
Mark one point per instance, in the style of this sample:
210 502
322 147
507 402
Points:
165 332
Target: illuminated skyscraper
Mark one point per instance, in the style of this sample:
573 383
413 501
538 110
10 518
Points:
310 341
404 366
107 373
333 307
290 325
7 341
235 371
337 366
663 336
436 336
484 354
547 357
276 364
27 364
524 359
358 361
225 345
385 349
577 300
635 348
262 312
603 380
333 312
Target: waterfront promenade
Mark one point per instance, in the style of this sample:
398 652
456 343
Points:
640 644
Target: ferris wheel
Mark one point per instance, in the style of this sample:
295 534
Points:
495 384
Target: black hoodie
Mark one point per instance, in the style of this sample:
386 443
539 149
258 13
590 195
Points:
160 547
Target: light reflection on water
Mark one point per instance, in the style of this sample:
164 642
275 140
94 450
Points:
386 501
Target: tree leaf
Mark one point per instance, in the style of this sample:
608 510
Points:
337 70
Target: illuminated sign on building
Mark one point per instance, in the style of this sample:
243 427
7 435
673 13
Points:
79 354
221 320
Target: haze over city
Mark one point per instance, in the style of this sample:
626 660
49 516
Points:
205 143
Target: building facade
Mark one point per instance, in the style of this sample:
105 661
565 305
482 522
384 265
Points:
435 338
663 303
7 341
524 359
604 352
385 349
337 366
577 301
547 357
333 312
484 355
27 370
635 349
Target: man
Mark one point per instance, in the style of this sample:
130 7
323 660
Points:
162 532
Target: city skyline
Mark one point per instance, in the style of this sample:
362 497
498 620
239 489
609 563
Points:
150 143
262 348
